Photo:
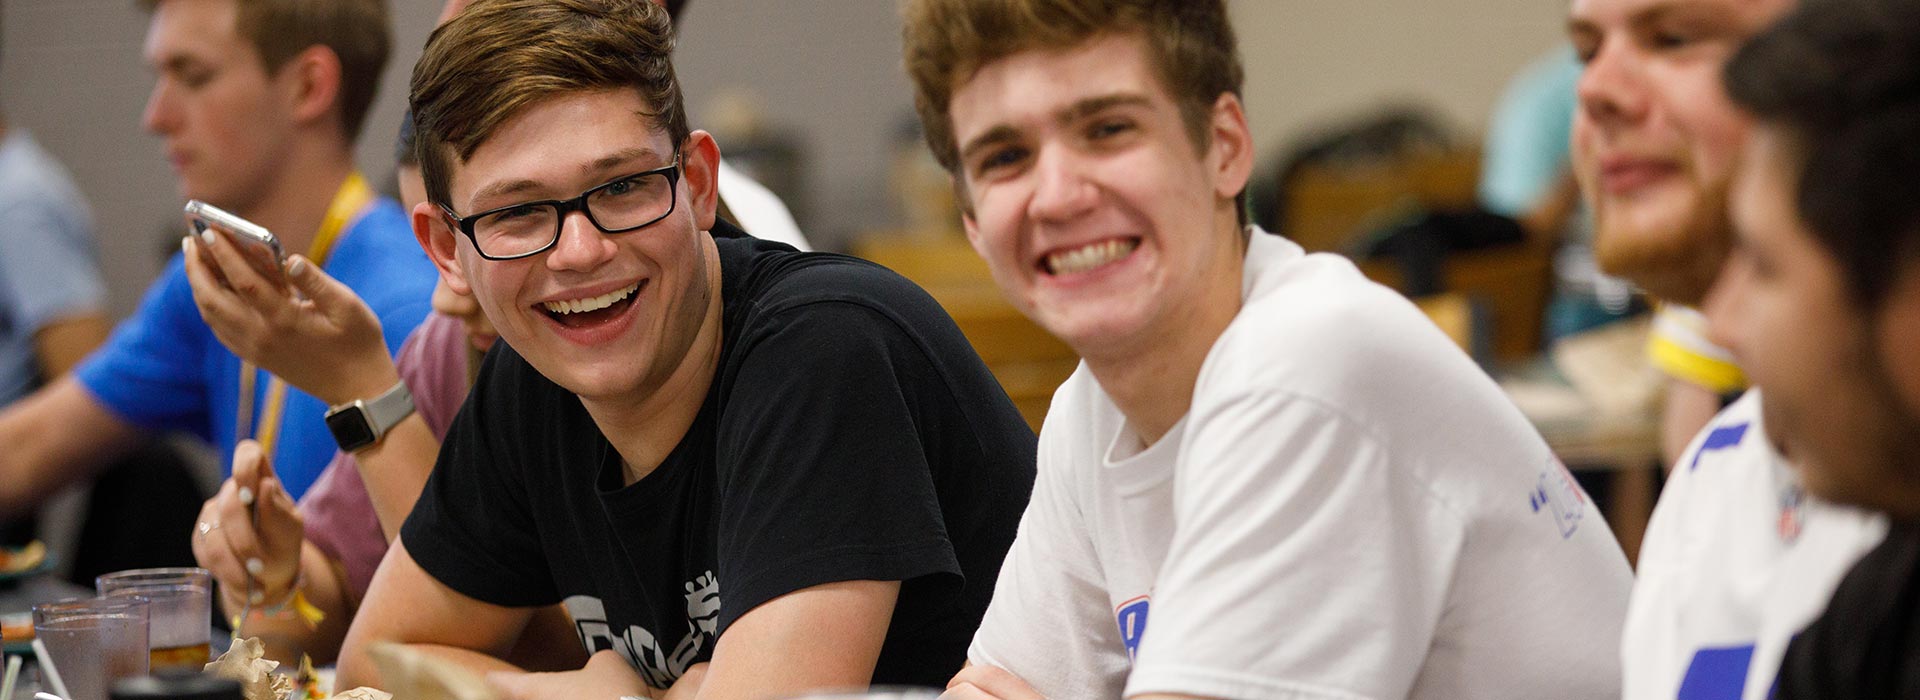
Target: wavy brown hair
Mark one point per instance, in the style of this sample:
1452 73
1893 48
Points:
1190 43
499 57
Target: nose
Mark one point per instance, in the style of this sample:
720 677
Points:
1612 88
1062 189
582 245
161 115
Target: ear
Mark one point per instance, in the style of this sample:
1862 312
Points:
1230 148
700 172
313 83
967 222
436 236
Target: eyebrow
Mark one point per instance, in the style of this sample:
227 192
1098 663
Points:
601 164
1003 133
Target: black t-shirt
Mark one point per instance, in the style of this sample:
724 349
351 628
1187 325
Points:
850 433
1866 646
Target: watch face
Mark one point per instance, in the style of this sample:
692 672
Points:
350 429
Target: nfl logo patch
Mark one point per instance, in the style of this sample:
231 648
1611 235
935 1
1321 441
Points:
1559 495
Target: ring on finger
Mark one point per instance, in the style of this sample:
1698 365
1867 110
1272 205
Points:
205 527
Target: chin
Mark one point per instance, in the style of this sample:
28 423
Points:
1676 260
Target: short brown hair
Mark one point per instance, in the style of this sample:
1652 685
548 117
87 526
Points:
499 57
1190 43
356 31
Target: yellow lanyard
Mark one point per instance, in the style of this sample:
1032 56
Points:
348 205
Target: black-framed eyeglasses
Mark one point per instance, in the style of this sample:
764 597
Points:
529 228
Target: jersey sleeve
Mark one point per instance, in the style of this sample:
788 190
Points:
152 371
1301 565
46 275
1678 347
1049 621
473 528
822 474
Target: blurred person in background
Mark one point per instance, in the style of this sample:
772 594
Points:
1525 174
1737 557
1820 302
259 104
52 298
1269 477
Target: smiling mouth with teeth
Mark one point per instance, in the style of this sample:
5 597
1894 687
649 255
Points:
1089 257
579 312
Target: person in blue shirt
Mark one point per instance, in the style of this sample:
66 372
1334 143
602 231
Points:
259 104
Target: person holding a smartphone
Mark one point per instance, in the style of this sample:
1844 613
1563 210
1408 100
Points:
259 104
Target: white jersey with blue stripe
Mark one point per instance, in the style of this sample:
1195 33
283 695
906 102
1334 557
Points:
1736 561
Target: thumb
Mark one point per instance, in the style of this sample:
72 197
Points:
314 283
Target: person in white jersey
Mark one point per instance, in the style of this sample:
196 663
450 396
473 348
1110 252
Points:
1737 559
1270 477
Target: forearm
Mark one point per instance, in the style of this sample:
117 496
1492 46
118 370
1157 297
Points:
57 436
60 345
395 470
286 634
357 667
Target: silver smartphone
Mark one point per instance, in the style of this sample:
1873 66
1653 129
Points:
203 214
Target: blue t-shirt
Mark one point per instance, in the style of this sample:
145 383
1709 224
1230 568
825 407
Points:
164 370
49 264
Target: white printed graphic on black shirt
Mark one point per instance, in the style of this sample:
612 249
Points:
658 665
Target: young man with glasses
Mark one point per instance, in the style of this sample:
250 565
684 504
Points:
707 447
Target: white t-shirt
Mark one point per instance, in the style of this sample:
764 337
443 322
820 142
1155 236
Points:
760 211
1349 509
1735 562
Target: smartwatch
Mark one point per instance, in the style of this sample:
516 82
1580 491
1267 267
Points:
362 423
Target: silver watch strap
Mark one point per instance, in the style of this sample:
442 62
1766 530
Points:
387 409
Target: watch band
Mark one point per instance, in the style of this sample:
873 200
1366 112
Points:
362 423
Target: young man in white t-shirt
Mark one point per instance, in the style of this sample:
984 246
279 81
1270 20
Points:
1270 478
1737 558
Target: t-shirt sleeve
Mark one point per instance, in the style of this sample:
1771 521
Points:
473 528
1049 621
1301 565
48 273
821 472
151 372
340 520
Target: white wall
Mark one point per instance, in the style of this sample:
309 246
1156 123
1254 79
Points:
70 71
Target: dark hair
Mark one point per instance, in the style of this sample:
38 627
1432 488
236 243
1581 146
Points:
1840 79
499 57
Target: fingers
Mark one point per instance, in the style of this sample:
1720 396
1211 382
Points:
217 303
243 269
210 547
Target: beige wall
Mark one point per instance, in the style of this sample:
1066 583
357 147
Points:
70 72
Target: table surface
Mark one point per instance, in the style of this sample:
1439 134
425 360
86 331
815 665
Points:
39 589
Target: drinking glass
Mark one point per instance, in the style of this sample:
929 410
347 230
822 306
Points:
182 604
94 641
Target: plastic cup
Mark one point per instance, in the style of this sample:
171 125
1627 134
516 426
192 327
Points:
181 632
93 642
